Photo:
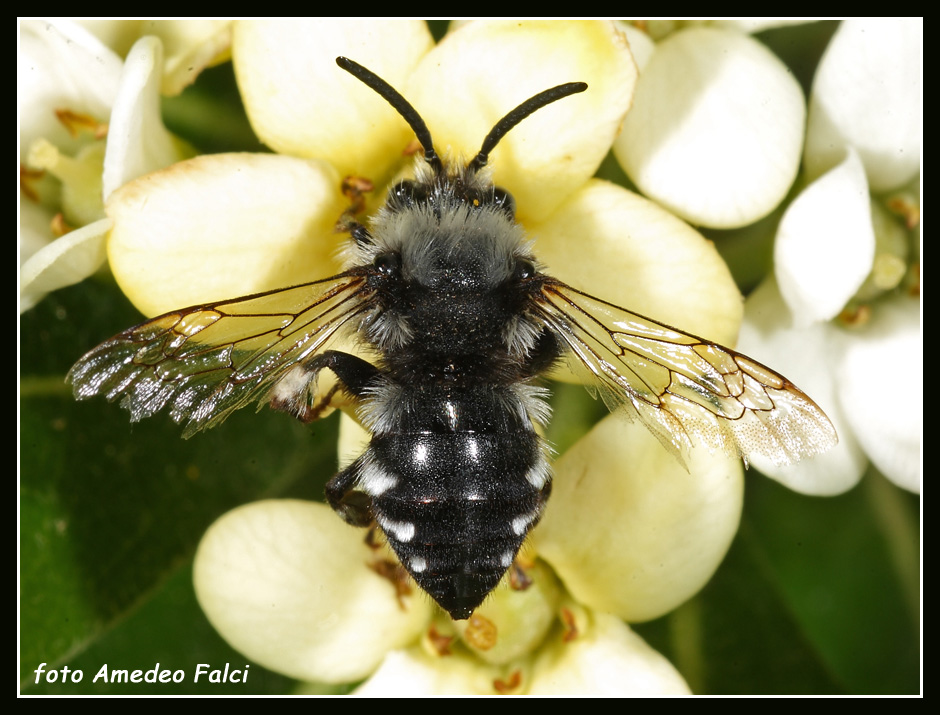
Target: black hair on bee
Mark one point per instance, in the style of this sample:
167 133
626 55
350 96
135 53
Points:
444 287
456 473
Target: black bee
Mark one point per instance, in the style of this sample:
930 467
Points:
444 289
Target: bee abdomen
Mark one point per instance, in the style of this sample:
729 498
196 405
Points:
459 567
460 507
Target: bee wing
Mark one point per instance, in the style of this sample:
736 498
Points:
682 386
206 361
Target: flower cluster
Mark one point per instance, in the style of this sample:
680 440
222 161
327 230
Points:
89 123
711 129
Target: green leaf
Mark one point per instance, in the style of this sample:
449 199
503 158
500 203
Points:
111 513
816 596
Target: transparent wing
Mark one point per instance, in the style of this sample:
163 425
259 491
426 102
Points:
682 386
206 361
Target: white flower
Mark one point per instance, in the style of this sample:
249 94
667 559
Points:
71 84
838 252
716 129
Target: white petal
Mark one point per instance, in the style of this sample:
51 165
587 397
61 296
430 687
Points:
716 128
299 102
628 530
608 660
138 143
807 358
287 584
221 226
825 244
881 387
481 72
868 94
64 262
62 66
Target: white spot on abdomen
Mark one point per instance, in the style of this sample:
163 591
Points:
539 474
374 480
402 530
521 523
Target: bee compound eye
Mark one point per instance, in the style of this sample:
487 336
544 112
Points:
388 264
504 201
524 269
406 193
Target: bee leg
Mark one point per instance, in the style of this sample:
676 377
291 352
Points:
293 392
353 505
359 232
355 188
354 373
544 354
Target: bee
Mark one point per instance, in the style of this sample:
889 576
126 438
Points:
462 321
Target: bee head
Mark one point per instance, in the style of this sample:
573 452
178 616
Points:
449 260
408 193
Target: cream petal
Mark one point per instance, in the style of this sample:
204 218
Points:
414 673
138 142
70 185
716 129
628 530
119 35
881 388
482 71
642 45
754 25
825 244
625 249
353 440
287 584
35 228
607 660
190 46
222 226
868 94
807 358
299 102
64 262
520 618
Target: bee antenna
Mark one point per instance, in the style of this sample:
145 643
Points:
528 107
400 104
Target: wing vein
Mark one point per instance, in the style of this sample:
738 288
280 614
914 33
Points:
683 387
